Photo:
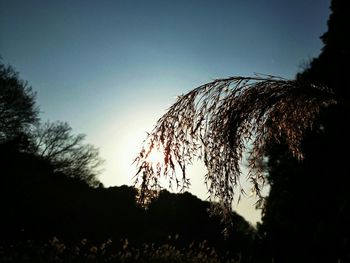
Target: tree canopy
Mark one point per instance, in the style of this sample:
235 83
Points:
307 209
22 130
17 105
67 152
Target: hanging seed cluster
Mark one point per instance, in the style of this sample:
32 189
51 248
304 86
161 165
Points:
221 121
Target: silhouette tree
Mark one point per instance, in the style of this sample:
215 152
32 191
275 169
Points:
67 152
331 67
17 105
20 130
307 210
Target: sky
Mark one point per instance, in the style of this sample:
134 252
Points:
112 68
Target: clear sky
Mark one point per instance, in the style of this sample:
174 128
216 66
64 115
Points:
112 68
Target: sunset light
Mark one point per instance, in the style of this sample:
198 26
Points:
156 156
174 131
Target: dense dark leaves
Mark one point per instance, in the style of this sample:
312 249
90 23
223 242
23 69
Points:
308 207
17 105
331 67
220 121
21 130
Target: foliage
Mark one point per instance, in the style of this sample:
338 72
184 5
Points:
331 67
17 105
218 122
67 152
21 130
307 210
41 203
109 251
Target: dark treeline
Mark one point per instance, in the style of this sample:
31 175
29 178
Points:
39 204
49 186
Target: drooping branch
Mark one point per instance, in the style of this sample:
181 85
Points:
217 123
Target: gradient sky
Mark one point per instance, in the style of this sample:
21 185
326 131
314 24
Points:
112 68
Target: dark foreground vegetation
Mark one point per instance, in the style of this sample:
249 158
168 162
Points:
42 205
53 208
56 251
48 217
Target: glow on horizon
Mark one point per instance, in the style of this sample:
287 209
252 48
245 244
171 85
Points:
111 68
121 149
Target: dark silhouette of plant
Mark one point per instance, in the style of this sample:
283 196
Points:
308 207
17 105
67 152
21 130
218 122
331 67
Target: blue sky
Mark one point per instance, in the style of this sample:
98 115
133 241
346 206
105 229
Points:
112 68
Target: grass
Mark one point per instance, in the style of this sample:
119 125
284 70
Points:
109 251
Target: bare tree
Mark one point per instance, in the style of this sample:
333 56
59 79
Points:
67 152
220 121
